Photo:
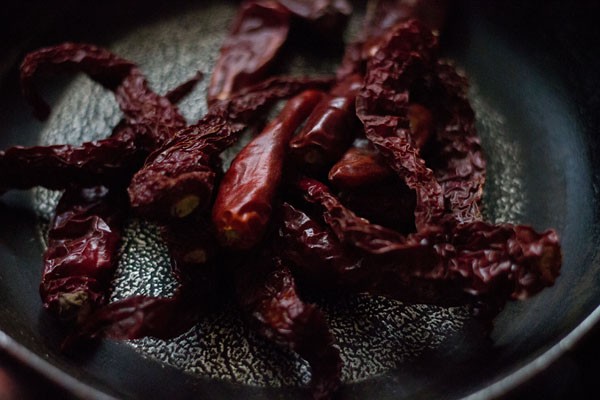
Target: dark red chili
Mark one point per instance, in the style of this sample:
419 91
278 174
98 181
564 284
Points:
256 37
330 128
244 202
82 251
267 295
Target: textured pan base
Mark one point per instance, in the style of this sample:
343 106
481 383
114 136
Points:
374 334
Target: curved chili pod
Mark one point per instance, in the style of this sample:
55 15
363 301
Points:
82 251
138 317
314 252
330 128
505 261
99 64
267 295
179 179
154 118
243 205
108 161
383 105
361 166
382 15
459 164
258 33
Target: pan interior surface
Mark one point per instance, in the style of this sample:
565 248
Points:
541 172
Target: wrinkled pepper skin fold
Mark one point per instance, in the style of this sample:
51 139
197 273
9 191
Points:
256 38
383 107
330 128
178 179
109 161
150 120
503 261
99 64
243 205
82 251
267 295
459 164
314 252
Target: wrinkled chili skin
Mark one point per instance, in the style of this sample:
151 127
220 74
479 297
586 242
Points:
249 51
153 118
478 258
383 107
459 163
330 128
244 201
109 161
267 295
82 251
382 15
315 254
178 179
150 119
99 64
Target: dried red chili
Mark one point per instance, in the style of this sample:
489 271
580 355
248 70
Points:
192 246
481 258
383 106
150 119
458 162
267 295
82 251
314 252
99 64
243 205
330 128
108 161
179 179
249 51
382 16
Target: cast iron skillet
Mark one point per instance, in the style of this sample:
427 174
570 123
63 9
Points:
538 63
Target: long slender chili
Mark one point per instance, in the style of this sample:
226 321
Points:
99 64
243 205
383 105
150 119
267 295
330 128
249 51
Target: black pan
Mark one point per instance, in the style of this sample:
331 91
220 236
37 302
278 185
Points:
534 65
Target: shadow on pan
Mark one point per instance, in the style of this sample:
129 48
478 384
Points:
536 64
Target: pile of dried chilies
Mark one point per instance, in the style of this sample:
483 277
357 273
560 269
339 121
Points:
367 182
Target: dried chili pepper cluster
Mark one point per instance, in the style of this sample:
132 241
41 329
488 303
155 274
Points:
368 182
